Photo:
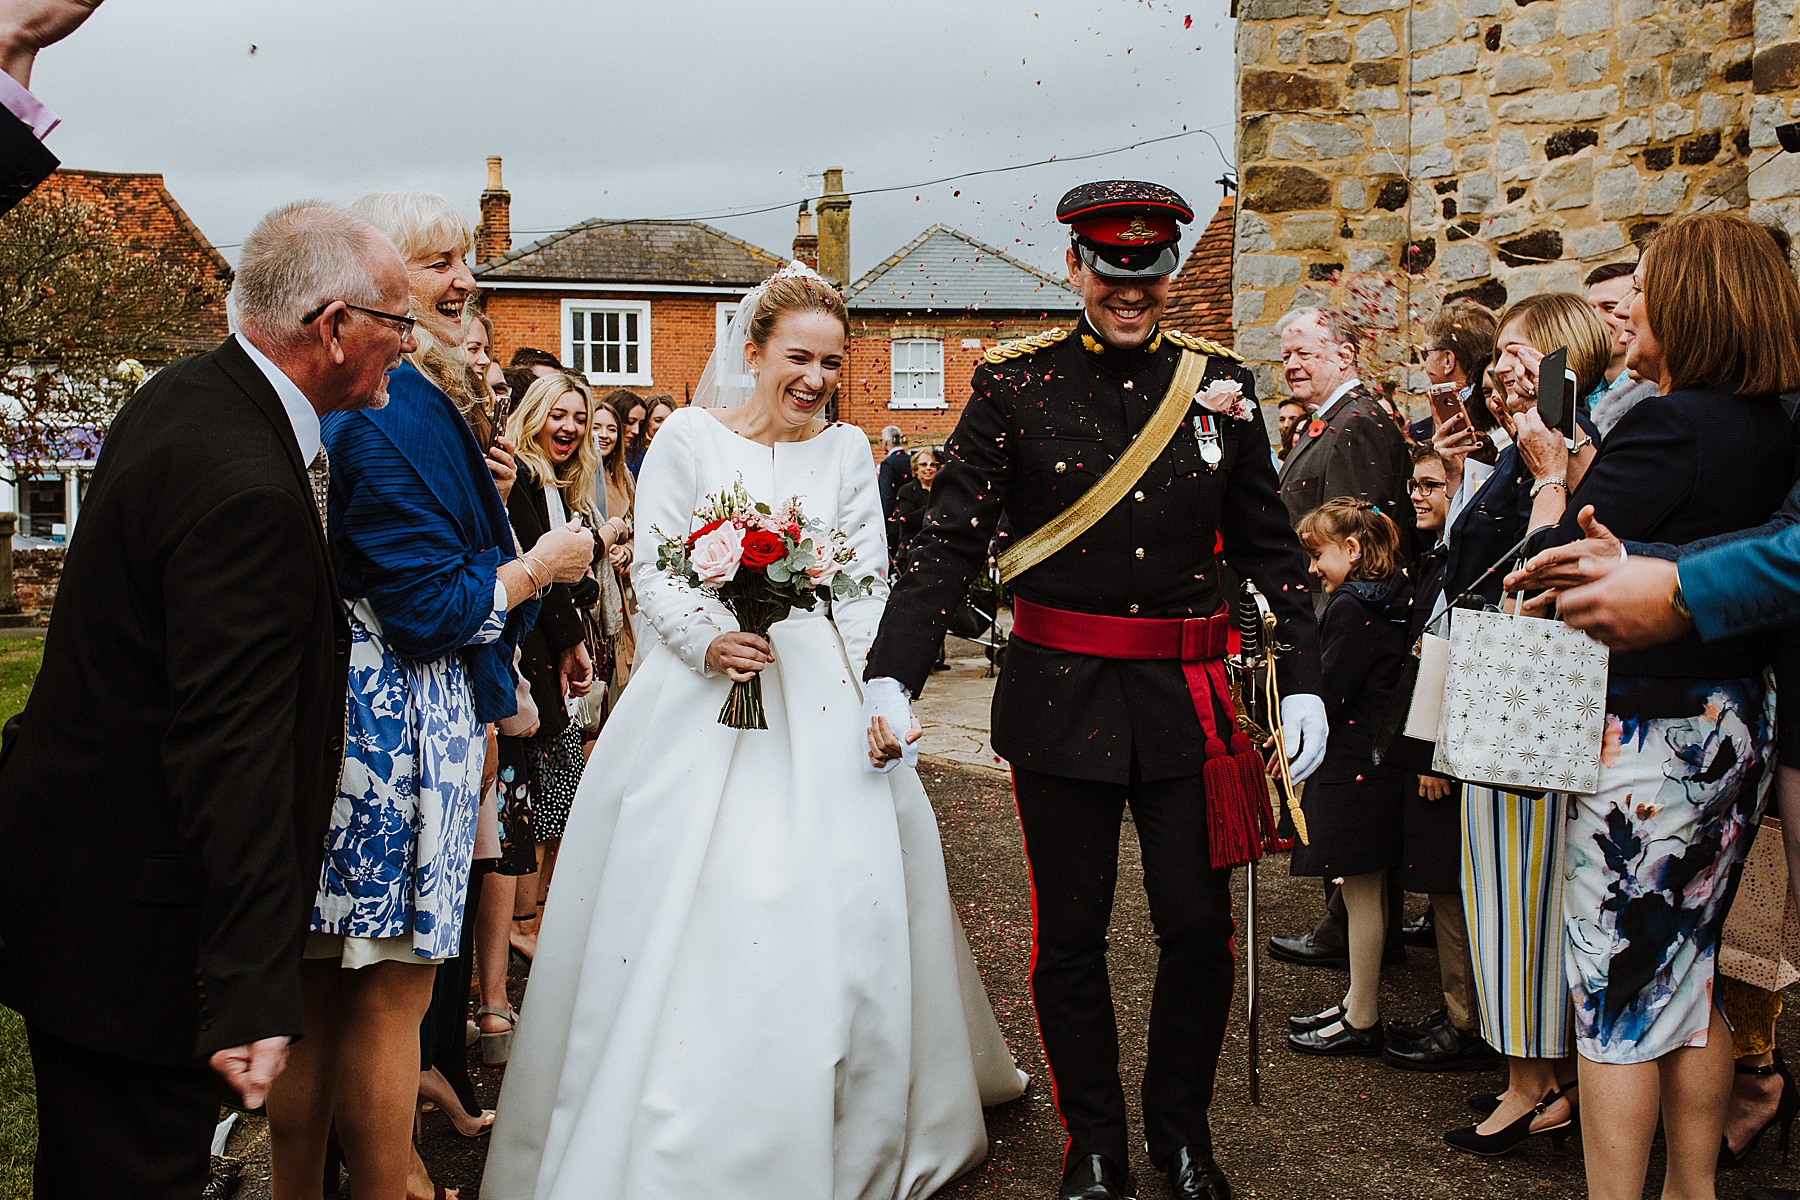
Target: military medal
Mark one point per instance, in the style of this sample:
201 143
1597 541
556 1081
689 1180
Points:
1206 429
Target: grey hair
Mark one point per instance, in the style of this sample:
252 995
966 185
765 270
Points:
1338 327
891 436
298 257
416 222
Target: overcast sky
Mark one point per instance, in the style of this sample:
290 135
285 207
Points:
660 109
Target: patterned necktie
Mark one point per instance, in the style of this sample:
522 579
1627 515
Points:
320 474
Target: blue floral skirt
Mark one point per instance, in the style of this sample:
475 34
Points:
1650 859
402 835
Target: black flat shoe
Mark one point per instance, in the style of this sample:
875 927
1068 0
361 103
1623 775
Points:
1785 1110
1340 1039
1092 1177
1193 1175
1445 1049
1492 1145
1420 931
1308 951
1485 1103
1318 1020
1412 1031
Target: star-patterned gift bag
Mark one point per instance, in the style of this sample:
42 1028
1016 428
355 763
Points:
1524 704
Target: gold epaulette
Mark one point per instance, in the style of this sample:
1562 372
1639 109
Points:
1188 341
1026 345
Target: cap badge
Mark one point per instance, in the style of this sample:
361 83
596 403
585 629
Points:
1137 231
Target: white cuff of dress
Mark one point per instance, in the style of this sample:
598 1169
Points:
27 107
884 696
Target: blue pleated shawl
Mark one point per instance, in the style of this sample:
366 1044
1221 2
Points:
420 532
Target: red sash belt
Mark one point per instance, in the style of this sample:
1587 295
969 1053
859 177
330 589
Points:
1237 798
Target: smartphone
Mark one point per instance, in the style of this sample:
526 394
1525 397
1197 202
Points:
1556 392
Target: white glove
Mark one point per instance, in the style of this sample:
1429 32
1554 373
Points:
884 697
1303 732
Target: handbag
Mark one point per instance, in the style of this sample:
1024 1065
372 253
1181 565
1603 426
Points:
1524 704
1760 944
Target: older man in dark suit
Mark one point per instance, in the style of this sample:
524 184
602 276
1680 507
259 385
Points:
27 26
166 791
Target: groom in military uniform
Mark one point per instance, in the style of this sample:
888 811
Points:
1131 471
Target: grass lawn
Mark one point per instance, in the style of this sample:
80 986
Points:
19 660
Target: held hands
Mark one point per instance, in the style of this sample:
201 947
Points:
565 552
253 1068
1304 730
738 656
885 709
500 463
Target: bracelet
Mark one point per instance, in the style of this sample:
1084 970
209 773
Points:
1541 484
537 589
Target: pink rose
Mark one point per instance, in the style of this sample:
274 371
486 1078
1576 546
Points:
716 553
824 566
1226 397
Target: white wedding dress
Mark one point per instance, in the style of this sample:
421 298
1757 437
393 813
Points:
750 980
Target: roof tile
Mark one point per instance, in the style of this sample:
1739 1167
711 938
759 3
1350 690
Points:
1200 295
944 269
600 251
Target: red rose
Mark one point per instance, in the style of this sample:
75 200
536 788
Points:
702 532
762 548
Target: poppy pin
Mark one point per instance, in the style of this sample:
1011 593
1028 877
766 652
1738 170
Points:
1315 429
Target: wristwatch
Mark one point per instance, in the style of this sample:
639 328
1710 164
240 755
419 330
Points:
1541 484
1678 602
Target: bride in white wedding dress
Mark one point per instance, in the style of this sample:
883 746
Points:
750 981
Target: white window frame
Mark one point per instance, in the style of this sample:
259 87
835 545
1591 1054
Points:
895 373
641 309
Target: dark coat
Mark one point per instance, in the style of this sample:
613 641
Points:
1358 452
1040 430
894 472
25 161
559 626
1676 469
166 800
1352 807
909 511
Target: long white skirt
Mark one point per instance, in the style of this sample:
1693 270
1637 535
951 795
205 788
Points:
750 980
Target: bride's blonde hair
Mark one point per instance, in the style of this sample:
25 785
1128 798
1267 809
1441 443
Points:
795 293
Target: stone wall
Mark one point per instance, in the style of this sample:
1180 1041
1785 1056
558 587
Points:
1494 148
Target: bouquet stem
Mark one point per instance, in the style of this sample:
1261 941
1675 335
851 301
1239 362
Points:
744 706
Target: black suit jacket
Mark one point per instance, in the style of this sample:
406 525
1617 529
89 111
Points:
895 472
1359 452
558 627
25 162
164 804
1038 432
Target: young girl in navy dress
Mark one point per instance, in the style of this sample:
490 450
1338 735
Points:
1352 807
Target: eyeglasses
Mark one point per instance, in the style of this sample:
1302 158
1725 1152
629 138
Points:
1424 487
406 323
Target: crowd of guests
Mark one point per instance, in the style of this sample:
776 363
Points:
1578 935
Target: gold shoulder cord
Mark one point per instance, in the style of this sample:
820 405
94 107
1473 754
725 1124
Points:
1098 500
1024 346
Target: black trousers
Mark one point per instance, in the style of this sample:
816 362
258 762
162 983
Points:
1072 842
111 1126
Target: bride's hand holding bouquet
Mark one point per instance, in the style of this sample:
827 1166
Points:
760 563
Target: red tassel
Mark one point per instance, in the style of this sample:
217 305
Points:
1256 790
1230 815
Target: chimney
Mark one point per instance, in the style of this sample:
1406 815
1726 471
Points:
806 242
834 229
493 237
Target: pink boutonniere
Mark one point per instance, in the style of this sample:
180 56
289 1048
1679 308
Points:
1226 397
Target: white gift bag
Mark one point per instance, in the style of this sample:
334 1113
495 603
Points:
1761 941
1427 708
1524 704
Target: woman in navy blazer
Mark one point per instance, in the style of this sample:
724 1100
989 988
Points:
1651 856
438 598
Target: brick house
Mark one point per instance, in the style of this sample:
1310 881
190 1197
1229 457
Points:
635 304
151 222
920 320
1200 295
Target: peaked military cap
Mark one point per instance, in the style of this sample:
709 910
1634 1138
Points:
1125 228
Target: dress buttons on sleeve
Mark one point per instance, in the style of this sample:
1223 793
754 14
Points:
1138 496
1140 552
1128 386
1061 467
1134 610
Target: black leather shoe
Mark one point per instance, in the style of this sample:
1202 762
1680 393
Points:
1446 1048
1092 1177
1420 931
1339 1039
1412 1031
1307 951
1193 1175
1318 1020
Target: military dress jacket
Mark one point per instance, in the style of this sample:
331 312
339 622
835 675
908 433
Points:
1354 450
1046 419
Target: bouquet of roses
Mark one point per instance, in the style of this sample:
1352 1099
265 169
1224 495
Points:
760 563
